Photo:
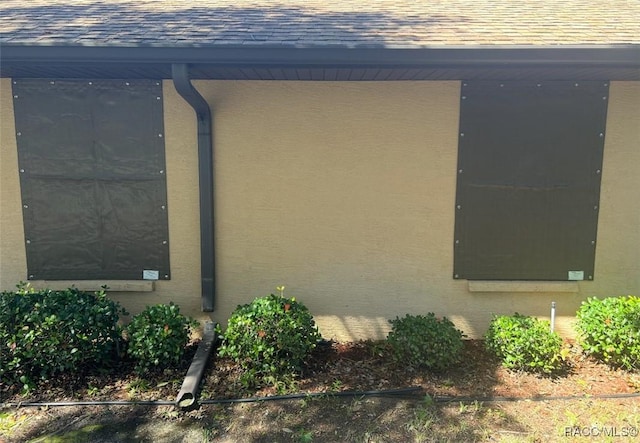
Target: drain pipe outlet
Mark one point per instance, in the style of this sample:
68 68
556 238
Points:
182 83
187 397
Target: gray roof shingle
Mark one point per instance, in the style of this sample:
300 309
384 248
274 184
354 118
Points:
320 23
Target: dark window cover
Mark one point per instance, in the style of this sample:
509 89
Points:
92 174
529 168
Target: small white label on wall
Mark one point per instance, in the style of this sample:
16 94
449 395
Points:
150 275
576 275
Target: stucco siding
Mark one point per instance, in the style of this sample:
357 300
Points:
13 260
618 251
344 193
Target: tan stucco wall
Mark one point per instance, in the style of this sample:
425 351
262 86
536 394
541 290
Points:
13 261
344 192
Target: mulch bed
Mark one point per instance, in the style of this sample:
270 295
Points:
354 366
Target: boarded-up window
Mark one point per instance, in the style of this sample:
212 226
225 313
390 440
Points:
92 175
529 168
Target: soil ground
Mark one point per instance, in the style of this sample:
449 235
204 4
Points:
477 400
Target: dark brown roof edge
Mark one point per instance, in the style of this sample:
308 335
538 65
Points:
616 55
325 63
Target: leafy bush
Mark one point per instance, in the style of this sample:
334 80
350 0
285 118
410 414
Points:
270 338
525 343
425 341
158 337
45 332
609 329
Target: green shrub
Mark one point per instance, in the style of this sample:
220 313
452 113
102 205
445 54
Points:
270 338
609 329
525 343
158 337
45 332
425 341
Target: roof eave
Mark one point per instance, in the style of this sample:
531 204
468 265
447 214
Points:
252 62
603 55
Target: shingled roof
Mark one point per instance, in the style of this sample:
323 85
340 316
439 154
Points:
312 23
352 29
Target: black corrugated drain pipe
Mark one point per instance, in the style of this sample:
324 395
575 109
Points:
182 83
410 392
187 397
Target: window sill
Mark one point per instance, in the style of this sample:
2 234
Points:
96 285
523 286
